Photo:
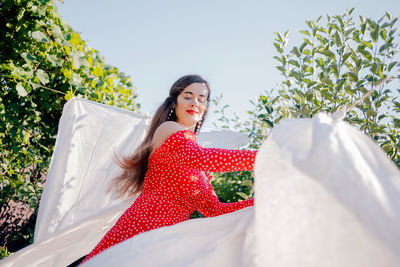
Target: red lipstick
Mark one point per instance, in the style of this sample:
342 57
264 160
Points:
191 111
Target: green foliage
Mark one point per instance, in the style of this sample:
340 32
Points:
43 63
336 64
236 186
233 186
4 252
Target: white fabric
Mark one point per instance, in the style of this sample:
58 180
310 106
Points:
326 195
75 212
82 163
215 241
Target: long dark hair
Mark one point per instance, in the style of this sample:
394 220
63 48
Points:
130 181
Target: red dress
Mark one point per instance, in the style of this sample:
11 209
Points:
174 187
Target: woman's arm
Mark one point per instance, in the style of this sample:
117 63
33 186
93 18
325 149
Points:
187 153
204 199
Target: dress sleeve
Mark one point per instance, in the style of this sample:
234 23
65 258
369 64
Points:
204 199
185 152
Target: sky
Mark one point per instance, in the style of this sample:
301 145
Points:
228 42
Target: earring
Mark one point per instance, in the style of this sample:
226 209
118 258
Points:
198 126
170 114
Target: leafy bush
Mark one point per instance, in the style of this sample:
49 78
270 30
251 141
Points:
335 65
4 252
43 63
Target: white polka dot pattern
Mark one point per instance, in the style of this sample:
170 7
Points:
174 187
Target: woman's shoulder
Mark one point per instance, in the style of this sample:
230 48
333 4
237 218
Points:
165 130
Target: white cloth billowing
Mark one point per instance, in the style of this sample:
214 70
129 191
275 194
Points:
75 212
82 164
326 195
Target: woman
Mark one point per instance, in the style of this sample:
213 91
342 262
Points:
170 170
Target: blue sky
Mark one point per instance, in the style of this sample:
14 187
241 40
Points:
228 42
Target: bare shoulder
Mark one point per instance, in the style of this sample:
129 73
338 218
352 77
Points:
165 130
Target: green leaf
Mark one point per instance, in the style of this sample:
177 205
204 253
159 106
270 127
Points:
391 65
264 99
356 36
278 47
57 31
302 46
296 75
371 113
75 39
327 53
69 95
396 122
334 69
311 84
277 58
340 83
274 100
305 32
268 109
367 44
21 90
243 195
55 61
375 32
281 69
338 40
326 81
28 57
40 37
320 62
295 51
374 67
34 85
363 27
382 33
345 56
384 47
42 76
294 63
389 24
349 31
366 54
247 183
270 123
335 26
388 15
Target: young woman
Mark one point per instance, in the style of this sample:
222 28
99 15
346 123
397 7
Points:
171 171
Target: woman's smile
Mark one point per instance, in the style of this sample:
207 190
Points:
192 112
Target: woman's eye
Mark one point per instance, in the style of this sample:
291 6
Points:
201 100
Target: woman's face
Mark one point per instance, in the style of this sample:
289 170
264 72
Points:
191 104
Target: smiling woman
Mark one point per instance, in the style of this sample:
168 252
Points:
191 105
171 171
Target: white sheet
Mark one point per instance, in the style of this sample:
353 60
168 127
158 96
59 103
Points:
326 195
82 163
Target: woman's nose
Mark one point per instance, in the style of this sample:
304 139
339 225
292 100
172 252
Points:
195 102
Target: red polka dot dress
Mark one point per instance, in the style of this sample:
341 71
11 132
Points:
174 187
